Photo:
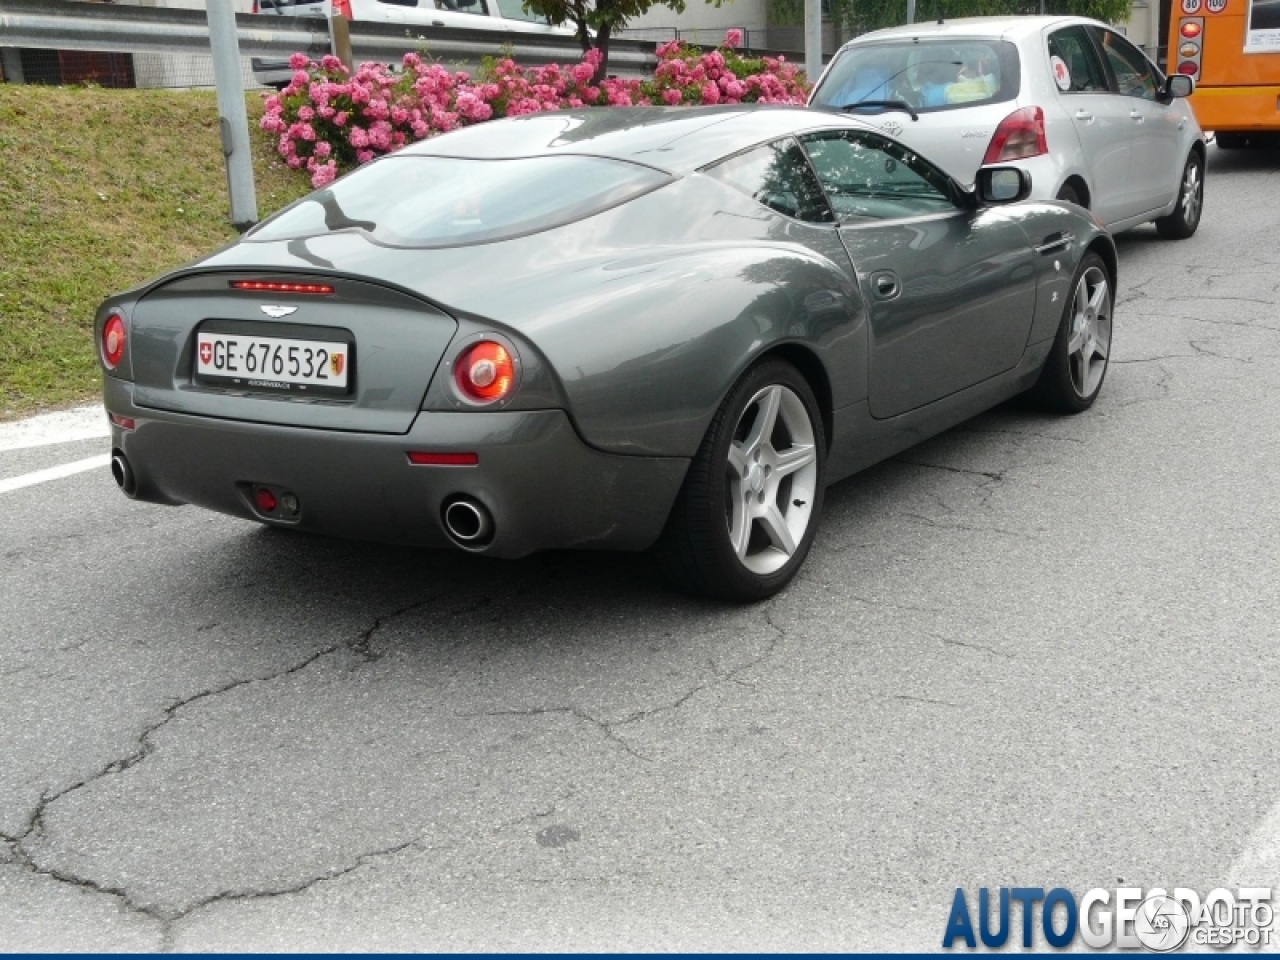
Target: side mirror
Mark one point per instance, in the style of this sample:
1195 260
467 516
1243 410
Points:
1178 85
1003 185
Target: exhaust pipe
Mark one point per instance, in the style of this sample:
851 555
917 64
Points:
468 522
123 474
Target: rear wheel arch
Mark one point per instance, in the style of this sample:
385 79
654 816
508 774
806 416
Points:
1104 248
1077 185
807 362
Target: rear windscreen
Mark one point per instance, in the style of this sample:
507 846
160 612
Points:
417 201
926 75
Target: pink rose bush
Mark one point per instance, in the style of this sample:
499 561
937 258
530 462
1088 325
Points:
328 119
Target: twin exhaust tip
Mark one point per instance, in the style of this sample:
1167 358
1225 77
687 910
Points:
468 522
123 474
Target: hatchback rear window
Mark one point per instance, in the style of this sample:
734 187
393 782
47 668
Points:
927 75
423 201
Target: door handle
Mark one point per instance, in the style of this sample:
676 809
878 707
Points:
1084 116
437 23
1054 242
885 284
1135 115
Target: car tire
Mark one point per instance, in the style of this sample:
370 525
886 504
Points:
1077 364
1185 218
749 507
1070 194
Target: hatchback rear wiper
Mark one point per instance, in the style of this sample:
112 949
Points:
884 105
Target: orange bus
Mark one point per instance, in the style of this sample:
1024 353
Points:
1232 49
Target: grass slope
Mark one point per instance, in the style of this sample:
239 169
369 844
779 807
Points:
99 190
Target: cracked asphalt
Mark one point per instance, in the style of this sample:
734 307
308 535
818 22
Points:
1033 651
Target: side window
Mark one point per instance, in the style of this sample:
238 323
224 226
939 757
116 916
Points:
867 177
514 10
778 176
1135 77
461 6
1074 49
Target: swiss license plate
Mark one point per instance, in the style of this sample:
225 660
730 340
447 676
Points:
273 363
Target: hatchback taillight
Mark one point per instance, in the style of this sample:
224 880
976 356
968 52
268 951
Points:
113 341
1019 136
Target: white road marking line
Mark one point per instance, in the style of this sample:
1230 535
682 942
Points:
65 426
54 473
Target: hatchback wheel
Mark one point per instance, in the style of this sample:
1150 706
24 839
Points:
1185 218
1077 363
748 511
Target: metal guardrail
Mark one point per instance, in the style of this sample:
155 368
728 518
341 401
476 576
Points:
73 25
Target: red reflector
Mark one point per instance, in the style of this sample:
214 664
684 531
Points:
1019 136
113 339
427 458
124 423
273 286
1187 68
1190 29
264 500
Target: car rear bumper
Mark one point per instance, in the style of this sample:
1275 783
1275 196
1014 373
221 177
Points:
1237 109
543 486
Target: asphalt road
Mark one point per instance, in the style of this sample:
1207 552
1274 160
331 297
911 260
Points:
1032 651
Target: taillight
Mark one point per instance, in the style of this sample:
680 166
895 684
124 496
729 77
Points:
1019 136
1190 50
485 372
113 340
342 8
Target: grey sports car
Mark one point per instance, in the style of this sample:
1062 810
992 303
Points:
616 329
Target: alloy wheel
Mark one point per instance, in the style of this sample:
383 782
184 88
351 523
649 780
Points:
1090 340
1192 193
771 478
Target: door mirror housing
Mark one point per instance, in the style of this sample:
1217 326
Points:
1178 85
1003 184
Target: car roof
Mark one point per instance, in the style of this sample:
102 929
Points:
675 139
1010 28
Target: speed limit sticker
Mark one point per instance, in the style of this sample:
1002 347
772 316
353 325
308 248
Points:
1190 6
1215 6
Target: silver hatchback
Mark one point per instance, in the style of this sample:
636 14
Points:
1067 99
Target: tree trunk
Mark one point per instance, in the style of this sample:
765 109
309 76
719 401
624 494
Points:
602 44
584 35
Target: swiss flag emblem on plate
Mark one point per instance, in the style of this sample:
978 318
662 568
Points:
206 352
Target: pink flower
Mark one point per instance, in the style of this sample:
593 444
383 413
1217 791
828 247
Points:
324 174
322 149
306 113
733 38
299 61
671 97
340 118
710 93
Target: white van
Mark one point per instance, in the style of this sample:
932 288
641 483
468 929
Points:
507 16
